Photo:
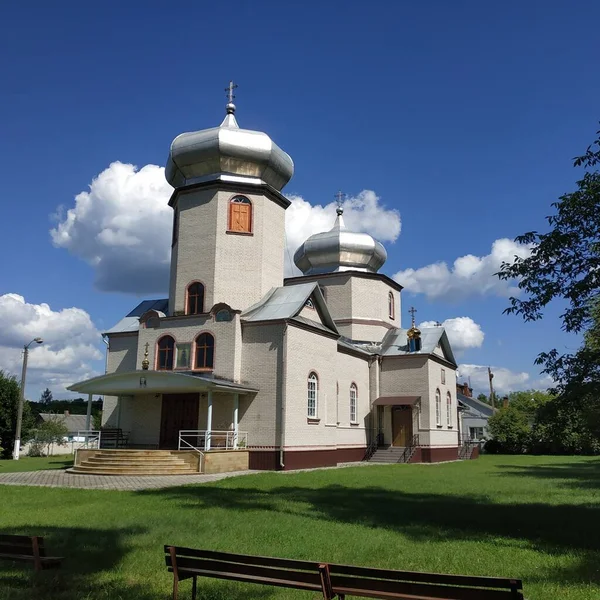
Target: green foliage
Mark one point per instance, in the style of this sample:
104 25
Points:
47 433
9 402
483 398
46 397
510 429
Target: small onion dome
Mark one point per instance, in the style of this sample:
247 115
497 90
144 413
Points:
339 250
195 156
413 333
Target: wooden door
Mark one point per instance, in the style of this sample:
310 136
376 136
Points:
179 411
401 425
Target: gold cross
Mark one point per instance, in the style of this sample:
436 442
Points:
229 89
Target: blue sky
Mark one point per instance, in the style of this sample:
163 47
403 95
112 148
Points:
462 116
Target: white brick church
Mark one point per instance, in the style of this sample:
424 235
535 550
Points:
300 372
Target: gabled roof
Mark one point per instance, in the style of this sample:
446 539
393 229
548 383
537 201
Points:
395 343
131 322
286 302
71 422
476 405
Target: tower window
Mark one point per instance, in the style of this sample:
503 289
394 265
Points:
166 347
195 299
240 214
313 393
175 227
391 306
205 351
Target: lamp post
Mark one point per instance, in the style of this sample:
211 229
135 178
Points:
17 447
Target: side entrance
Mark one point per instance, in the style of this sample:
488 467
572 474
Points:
179 411
401 425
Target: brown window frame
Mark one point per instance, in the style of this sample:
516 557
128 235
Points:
237 200
206 347
199 309
160 351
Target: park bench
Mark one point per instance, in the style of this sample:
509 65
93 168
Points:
334 580
24 548
113 438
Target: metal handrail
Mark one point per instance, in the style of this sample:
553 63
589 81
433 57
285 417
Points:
410 449
212 438
91 436
202 457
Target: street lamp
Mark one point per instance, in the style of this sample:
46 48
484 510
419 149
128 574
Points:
17 447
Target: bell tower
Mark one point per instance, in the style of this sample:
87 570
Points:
228 216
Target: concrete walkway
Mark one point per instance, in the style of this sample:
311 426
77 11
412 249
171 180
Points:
62 479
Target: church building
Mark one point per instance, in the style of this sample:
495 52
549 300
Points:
297 372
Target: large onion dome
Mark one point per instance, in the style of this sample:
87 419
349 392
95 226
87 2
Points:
339 250
200 155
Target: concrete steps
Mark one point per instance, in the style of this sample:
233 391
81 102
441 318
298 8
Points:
134 462
390 455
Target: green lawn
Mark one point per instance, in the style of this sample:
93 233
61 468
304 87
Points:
35 464
536 518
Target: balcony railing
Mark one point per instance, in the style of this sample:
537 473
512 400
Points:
212 440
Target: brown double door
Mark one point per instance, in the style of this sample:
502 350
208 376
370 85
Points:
401 425
179 411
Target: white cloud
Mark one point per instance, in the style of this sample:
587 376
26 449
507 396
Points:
122 226
463 332
71 344
505 380
469 275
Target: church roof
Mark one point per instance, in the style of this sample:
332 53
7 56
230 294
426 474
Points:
286 302
131 322
395 343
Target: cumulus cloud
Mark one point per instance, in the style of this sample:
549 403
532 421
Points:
122 228
468 276
462 332
71 344
505 380
122 225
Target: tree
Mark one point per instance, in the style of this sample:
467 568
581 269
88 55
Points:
47 433
10 393
565 264
483 398
510 429
46 397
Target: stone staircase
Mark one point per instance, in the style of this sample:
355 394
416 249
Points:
391 455
138 462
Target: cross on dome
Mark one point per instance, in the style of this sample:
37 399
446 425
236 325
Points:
339 198
230 96
413 311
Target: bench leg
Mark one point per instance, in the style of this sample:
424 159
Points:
175 587
35 541
194 588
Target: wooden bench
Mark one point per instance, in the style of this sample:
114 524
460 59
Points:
334 580
113 438
27 549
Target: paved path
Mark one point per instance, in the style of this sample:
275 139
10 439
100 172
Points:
62 479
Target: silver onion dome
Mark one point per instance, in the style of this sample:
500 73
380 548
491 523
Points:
227 149
339 250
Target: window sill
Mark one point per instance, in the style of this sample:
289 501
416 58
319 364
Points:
354 423
202 370
440 426
231 232
313 420
450 427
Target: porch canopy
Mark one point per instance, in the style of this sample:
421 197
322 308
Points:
167 382
396 400
131 383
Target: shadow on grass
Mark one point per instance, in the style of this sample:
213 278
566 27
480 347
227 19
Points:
581 475
64 464
89 556
428 518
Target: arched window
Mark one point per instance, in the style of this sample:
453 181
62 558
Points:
195 299
391 306
166 348
313 395
240 214
353 396
205 352
448 409
438 408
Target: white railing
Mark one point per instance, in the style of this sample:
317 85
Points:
88 440
212 440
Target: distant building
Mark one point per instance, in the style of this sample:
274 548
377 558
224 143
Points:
474 414
74 423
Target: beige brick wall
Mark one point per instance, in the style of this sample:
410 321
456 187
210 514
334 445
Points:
225 462
227 334
140 415
262 368
444 435
236 269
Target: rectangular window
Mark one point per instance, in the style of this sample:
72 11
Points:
353 404
443 376
449 410
182 360
438 408
312 398
476 433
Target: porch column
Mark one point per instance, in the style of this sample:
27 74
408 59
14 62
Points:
88 416
208 421
236 410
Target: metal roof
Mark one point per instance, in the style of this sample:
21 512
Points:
395 343
286 302
71 422
477 405
131 322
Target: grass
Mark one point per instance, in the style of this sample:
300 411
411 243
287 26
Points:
35 464
535 518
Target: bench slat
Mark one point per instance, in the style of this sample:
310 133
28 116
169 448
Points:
4 537
17 549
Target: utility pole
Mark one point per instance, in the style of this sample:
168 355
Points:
491 376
